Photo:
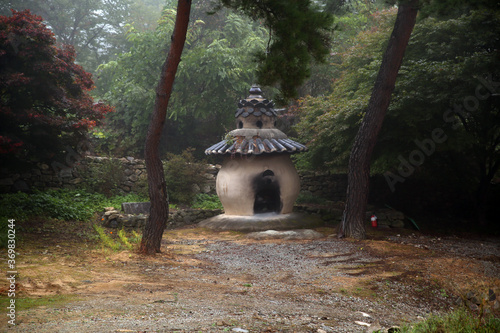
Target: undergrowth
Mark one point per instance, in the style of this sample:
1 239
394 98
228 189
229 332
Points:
118 241
52 301
182 173
60 204
461 320
206 201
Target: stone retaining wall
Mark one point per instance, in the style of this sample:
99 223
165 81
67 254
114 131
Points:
129 175
117 219
132 177
324 184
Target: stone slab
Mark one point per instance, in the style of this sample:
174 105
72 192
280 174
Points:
286 235
262 222
136 208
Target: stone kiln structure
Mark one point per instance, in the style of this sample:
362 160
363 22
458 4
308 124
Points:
257 175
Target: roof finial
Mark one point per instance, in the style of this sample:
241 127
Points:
255 92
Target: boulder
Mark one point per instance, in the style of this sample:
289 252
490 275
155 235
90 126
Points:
111 212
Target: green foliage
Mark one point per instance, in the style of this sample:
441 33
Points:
135 238
4 229
454 8
216 70
144 13
328 124
106 239
441 66
442 86
445 64
59 204
117 200
182 173
206 201
124 239
27 303
118 241
460 320
93 27
104 177
358 16
299 34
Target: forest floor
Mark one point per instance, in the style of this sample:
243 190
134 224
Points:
223 281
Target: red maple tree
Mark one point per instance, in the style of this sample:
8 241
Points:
45 103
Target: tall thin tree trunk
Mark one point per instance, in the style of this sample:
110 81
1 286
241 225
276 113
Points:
353 222
153 231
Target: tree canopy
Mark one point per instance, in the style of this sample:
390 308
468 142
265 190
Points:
93 27
299 34
446 61
216 69
45 103
441 66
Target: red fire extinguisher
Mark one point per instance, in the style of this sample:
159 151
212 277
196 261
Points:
374 221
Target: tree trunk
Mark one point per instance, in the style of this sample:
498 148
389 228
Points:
353 222
158 215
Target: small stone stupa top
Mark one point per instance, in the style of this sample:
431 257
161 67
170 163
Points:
256 131
255 105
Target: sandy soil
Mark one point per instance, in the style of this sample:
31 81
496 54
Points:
223 281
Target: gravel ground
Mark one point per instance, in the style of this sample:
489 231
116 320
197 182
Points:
241 285
485 251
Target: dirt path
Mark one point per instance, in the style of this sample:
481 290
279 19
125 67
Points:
223 281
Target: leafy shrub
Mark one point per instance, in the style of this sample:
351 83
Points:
141 187
206 201
14 205
460 320
105 177
182 173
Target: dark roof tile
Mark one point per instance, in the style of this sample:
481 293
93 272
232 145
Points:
256 146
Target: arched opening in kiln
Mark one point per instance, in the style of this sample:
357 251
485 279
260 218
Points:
267 194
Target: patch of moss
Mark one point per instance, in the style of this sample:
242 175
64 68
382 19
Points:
26 303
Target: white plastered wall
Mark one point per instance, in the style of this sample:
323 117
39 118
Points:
234 182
